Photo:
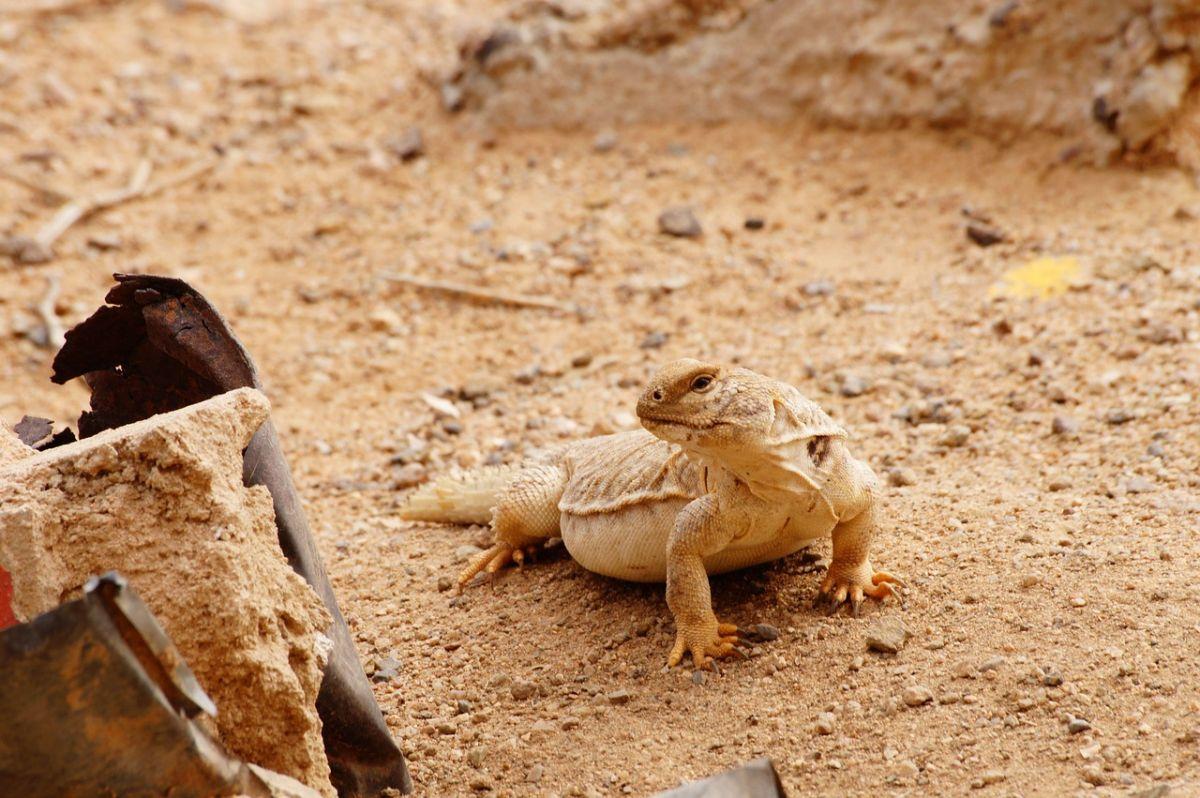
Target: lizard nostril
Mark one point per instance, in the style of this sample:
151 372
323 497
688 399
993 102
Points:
656 396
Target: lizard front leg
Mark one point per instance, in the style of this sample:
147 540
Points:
524 518
850 576
702 528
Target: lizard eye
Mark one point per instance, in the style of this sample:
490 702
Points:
702 383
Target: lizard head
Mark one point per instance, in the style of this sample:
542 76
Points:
706 405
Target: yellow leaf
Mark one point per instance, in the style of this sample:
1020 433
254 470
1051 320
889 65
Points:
1040 278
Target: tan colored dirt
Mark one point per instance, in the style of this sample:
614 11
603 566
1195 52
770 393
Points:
11 447
162 502
1031 555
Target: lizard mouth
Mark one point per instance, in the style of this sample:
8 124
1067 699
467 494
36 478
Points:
677 422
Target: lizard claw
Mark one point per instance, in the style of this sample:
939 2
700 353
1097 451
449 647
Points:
493 559
839 589
705 642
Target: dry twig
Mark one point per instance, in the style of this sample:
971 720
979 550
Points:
40 248
55 332
476 293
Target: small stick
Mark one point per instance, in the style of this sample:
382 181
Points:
55 333
137 188
476 293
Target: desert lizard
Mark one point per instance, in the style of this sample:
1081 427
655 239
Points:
732 469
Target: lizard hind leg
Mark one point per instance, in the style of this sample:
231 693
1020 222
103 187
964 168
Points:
525 516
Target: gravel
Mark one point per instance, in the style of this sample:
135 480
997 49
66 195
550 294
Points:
679 221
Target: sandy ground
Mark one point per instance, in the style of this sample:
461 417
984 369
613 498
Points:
1050 573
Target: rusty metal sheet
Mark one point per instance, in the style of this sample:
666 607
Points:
755 779
159 345
96 701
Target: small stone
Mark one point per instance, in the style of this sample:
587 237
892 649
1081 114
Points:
1059 484
1163 334
466 552
852 385
987 779
1078 601
480 784
408 145
1064 425
535 774
699 678
679 221
887 636
522 690
818 288
605 141
765 632
754 223
1052 679
964 670
386 669
916 695
409 475
619 697
955 436
899 477
443 408
1078 725
654 340
1138 484
477 756
1029 580
1093 775
444 583
826 723
1119 416
462 707
983 235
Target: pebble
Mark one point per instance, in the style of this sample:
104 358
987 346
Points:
522 690
1138 485
754 223
409 475
1064 425
386 669
679 221
899 477
1078 601
916 695
619 697
887 636
605 141
444 583
852 385
466 552
983 235
699 677
1078 725
477 756
480 784
1093 775
964 670
1119 416
407 145
956 435
994 663
988 778
654 340
826 723
1029 580
1052 678
765 632
818 288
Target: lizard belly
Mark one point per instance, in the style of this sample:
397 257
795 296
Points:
629 543
772 538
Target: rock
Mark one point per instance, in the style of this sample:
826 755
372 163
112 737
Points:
900 477
654 340
764 632
1153 100
992 664
679 221
754 223
481 784
1059 484
887 636
1029 580
619 697
699 678
1138 484
25 250
1064 425
1163 334
443 408
1093 775
987 778
852 385
407 145
148 500
1078 725
386 669
11 448
964 670
1052 678
410 475
1078 601
826 723
956 435
522 690
605 141
466 552
916 695
819 288
983 235
1119 416
477 756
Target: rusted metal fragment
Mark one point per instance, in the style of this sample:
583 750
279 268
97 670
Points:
755 779
159 346
38 433
96 701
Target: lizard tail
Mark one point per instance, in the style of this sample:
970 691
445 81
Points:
461 497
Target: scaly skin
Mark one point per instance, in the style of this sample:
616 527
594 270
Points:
737 469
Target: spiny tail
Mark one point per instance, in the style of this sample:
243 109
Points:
463 497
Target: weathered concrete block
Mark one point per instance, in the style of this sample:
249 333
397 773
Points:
162 501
